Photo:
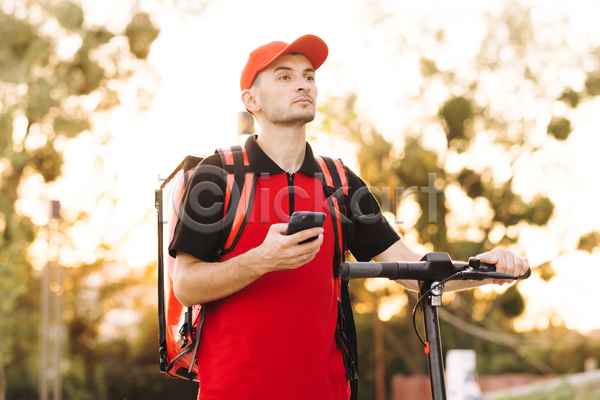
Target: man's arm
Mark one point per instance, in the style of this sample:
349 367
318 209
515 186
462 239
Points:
506 262
198 282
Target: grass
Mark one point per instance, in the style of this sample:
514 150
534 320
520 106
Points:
563 392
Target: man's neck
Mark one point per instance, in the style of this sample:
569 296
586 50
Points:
286 146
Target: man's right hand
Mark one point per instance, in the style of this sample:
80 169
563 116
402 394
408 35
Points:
197 282
280 252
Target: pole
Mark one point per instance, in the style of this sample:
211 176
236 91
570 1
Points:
58 289
379 355
51 309
44 337
432 334
245 126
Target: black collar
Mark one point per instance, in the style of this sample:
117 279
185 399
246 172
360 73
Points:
262 164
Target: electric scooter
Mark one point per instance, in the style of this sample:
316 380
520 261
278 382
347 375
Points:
433 271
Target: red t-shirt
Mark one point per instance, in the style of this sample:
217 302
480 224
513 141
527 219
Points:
275 339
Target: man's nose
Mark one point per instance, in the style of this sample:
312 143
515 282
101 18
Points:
303 86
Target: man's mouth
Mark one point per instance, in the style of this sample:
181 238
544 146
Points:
304 100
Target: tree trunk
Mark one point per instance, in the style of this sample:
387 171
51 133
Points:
2 377
379 358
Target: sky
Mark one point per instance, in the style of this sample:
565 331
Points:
194 72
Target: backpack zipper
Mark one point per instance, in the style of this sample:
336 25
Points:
292 204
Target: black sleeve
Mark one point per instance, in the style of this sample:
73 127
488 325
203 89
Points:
372 234
200 220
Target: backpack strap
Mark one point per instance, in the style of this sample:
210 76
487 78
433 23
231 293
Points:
335 184
239 195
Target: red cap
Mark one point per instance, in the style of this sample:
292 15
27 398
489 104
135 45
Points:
310 46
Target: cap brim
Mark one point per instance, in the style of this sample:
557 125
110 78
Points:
310 46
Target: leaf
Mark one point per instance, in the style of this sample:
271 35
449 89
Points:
592 83
455 113
428 67
539 212
69 15
511 302
20 48
141 33
40 100
589 241
70 126
570 97
48 162
546 271
471 182
560 128
463 249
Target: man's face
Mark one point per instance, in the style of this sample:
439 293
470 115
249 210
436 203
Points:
286 91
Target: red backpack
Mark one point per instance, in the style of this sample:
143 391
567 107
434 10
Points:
180 327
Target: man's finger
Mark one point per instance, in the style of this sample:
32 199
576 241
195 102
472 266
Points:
525 265
306 234
488 258
278 228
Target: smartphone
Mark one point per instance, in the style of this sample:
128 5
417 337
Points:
301 220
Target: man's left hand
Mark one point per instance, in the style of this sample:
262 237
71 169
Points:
506 261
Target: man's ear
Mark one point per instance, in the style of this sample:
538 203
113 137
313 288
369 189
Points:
249 100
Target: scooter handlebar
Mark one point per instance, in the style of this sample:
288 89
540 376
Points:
433 267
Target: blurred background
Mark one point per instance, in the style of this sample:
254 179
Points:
100 101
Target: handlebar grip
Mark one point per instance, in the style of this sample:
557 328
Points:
369 270
366 270
485 267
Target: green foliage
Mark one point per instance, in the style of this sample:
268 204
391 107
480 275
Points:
570 97
70 125
517 19
405 159
539 211
510 208
589 241
42 104
560 128
141 33
592 83
20 48
48 162
122 366
428 67
463 249
511 302
545 271
470 181
417 164
456 112
69 15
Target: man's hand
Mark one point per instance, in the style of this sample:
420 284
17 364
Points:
506 262
280 252
198 282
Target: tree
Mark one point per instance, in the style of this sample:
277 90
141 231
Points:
47 96
492 106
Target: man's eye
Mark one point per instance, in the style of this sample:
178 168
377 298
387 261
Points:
310 78
284 77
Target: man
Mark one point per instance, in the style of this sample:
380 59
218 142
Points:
271 303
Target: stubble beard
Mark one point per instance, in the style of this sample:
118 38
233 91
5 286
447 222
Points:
297 119
288 117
